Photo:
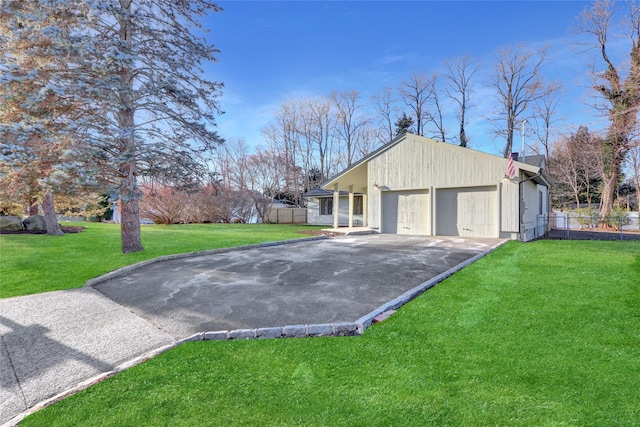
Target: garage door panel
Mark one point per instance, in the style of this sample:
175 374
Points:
406 212
467 212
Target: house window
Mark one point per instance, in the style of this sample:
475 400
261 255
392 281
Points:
326 206
540 202
357 205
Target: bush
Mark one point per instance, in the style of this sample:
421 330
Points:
588 218
617 219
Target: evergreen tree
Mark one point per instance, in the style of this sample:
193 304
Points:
157 109
404 124
40 102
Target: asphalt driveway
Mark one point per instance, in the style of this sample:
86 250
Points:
319 282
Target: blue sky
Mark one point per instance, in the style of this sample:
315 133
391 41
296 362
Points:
273 51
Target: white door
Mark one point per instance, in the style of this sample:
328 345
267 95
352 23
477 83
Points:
406 212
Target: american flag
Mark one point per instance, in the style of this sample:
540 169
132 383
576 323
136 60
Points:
511 169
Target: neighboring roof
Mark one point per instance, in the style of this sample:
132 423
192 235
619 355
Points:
537 160
318 193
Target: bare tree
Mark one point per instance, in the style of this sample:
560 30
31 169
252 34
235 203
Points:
283 137
619 88
260 176
383 105
545 115
566 169
435 116
517 83
370 141
460 74
415 93
320 129
575 163
350 123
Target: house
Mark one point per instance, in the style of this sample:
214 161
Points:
320 205
416 185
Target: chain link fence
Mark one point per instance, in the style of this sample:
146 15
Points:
620 225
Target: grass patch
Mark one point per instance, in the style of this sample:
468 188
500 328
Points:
544 333
34 263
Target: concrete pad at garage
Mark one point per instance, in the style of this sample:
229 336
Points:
314 282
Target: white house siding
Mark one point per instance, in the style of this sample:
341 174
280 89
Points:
470 185
509 196
532 218
420 163
314 217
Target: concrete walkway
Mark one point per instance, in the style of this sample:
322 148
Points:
56 343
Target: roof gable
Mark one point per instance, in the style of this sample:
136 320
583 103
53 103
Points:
357 172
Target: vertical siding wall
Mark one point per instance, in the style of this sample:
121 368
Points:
416 163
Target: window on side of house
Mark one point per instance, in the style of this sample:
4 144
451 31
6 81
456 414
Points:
357 205
326 206
540 202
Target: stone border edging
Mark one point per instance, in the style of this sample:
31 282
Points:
128 268
367 320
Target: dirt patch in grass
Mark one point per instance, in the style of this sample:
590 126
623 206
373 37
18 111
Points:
320 233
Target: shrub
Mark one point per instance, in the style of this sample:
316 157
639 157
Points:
617 219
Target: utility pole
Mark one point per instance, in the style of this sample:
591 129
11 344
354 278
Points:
524 122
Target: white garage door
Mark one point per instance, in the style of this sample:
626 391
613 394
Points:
406 212
468 212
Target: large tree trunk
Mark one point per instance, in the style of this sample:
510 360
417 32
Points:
130 223
50 218
613 156
129 192
608 193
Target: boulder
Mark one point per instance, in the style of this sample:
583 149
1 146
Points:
35 223
10 223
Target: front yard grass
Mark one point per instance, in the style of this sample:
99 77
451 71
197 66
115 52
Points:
34 263
544 333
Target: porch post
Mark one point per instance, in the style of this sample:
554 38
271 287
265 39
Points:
351 206
336 206
365 209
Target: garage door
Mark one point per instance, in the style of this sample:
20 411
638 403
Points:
468 212
406 212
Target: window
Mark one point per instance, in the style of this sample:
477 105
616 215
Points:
357 205
326 206
540 202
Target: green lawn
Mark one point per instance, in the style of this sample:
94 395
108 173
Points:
35 263
539 334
